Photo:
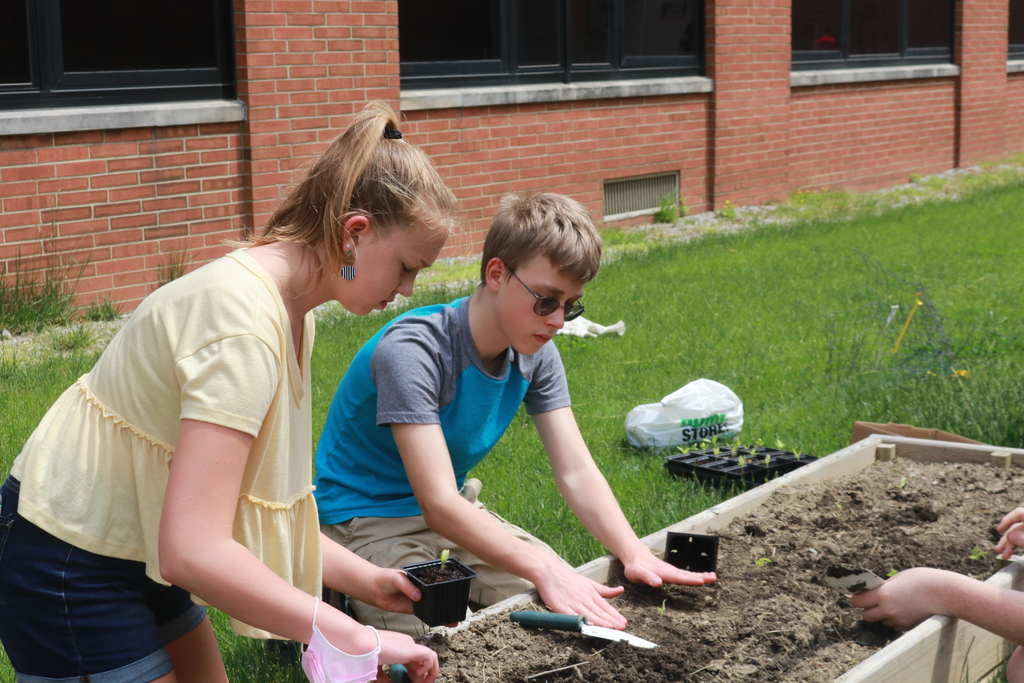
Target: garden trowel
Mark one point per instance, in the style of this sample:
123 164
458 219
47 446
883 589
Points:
571 622
848 579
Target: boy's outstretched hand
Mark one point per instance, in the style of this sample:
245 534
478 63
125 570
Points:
650 570
566 592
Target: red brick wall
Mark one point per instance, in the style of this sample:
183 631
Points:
871 135
1015 114
748 55
126 202
123 201
118 203
567 147
980 46
304 67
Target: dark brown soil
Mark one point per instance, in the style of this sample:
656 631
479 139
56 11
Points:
770 617
434 574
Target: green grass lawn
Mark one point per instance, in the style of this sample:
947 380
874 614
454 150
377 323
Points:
773 313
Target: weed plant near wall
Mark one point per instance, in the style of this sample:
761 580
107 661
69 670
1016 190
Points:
33 300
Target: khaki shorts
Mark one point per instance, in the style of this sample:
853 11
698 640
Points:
396 541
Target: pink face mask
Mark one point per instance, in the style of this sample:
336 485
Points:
324 663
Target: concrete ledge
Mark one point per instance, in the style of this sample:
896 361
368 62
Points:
452 98
800 79
65 119
1015 66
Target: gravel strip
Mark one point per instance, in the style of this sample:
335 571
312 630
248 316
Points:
92 337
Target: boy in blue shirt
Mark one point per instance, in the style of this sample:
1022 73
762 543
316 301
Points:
426 399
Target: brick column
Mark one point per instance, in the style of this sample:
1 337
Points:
748 56
980 46
304 67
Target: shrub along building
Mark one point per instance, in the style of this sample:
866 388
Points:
137 136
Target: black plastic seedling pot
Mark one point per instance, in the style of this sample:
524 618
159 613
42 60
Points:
743 466
445 594
692 552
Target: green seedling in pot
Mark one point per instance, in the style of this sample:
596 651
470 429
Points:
741 461
444 557
661 610
903 483
761 562
767 459
892 573
977 553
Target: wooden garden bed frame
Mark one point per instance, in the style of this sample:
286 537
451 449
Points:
941 649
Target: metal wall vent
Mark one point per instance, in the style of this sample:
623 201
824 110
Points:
638 196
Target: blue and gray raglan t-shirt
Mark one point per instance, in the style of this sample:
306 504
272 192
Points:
422 368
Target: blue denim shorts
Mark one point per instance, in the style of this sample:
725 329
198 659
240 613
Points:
68 615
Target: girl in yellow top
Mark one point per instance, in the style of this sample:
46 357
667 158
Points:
181 463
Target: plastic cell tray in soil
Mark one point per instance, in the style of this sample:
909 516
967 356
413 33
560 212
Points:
692 552
743 466
445 593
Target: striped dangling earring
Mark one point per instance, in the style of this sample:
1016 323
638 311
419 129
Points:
348 272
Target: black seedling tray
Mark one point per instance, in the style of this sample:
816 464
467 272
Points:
692 552
724 466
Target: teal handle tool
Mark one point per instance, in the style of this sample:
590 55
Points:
562 622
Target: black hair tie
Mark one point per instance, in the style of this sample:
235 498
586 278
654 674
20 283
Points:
392 135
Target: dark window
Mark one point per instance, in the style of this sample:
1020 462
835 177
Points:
1016 29
816 25
70 53
930 24
852 33
539 38
494 42
14 66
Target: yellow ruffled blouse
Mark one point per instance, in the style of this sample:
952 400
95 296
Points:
213 346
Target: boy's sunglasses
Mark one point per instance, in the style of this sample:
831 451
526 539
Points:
546 305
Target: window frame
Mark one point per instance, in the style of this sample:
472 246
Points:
506 71
50 86
813 60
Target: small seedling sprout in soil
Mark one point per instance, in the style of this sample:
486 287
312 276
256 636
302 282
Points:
903 483
892 573
661 610
444 557
761 562
977 553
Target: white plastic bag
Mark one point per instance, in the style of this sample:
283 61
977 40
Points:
581 327
701 410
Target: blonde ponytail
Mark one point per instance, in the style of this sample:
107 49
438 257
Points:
362 172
